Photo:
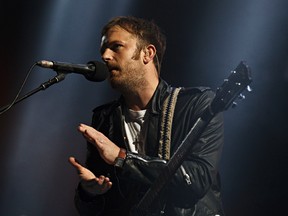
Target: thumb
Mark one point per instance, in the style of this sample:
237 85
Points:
83 172
75 163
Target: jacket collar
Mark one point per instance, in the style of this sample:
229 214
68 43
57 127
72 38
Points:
161 92
155 104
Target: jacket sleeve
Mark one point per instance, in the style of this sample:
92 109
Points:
86 202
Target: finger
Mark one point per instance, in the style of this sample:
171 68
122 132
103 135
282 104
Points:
106 179
87 136
75 163
89 133
95 137
107 185
101 180
83 127
72 160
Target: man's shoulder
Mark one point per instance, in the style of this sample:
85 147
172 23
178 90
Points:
197 89
193 91
195 95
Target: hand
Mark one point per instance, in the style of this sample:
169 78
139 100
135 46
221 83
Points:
106 148
104 183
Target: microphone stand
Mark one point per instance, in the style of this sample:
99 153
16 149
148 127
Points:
43 86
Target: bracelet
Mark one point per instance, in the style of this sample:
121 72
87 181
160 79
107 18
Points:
119 161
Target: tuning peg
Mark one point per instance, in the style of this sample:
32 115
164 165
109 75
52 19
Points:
249 89
234 105
241 97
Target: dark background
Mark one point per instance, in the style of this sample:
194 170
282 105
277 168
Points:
206 40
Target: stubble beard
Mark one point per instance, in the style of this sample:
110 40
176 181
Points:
129 80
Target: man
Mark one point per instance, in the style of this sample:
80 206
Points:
126 148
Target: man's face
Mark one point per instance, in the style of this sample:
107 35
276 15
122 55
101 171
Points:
124 60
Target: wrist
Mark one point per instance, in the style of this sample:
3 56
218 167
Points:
119 161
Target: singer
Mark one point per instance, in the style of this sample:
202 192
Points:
132 138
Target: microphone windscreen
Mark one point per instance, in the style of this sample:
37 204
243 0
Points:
100 74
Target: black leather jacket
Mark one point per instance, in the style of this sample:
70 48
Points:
195 187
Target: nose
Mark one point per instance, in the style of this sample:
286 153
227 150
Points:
106 55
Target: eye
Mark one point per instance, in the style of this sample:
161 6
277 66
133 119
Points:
112 46
115 47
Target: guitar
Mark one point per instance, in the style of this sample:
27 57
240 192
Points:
238 80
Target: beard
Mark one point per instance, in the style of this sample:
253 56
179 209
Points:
127 79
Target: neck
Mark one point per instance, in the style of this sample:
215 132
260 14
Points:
139 99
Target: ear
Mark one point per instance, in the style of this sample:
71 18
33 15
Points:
149 53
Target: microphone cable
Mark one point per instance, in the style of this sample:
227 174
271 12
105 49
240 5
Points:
6 108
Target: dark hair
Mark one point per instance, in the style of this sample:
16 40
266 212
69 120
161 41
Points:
146 31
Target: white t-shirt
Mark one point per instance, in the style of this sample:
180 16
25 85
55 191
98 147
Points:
135 129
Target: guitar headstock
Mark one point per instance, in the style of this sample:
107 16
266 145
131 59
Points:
231 89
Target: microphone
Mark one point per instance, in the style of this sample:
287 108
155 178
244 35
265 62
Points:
93 71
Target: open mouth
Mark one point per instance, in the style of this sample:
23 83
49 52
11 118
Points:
113 69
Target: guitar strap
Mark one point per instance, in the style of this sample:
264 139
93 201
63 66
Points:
166 124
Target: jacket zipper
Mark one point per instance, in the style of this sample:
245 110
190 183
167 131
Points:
185 176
